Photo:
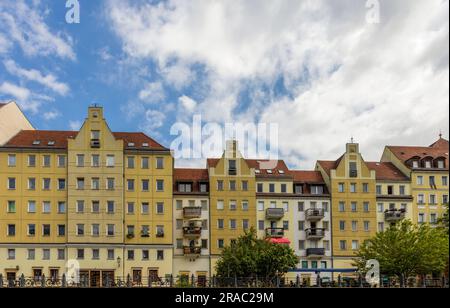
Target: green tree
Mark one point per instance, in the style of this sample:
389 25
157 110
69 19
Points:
250 257
443 221
405 249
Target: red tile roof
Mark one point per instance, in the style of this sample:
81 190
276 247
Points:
405 153
329 165
25 139
386 171
313 177
212 162
440 144
180 174
267 168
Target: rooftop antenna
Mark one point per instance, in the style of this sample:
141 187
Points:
440 134
352 140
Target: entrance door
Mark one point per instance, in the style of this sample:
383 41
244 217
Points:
137 277
37 274
11 278
84 279
108 278
153 275
95 279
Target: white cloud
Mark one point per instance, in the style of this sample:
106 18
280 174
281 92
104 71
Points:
105 54
385 83
153 92
25 26
26 99
75 125
50 81
20 93
154 119
188 103
51 115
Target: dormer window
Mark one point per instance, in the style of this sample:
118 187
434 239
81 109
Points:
415 164
441 164
427 164
269 171
131 144
281 171
145 145
257 171
51 143
36 142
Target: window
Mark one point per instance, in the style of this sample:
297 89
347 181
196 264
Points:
378 189
402 190
204 244
130 185
444 181
61 184
313 264
285 224
80 206
341 187
61 230
271 188
95 254
233 185
366 207
233 205
11 207
144 163
46 207
80 229
260 206
304 264
31 206
326 245
95 207
232 170
366 226
80 183
160 255
381 227
420 199
415 164
261 225
220 224
353 170
95 160
46 161
31 230
260 187
244 185
317 190
245 205
284 188
61 254
365 187
31 160
352 187
354 206
342 225
433 218
130 207
273 204
110 254
61 161
45 254
159 231
341 206
159 163
95 229
46 230
343 245
110 184
219 185
326 225
31 254
444 199
433 200
130 230
130 162
145 254
80 254
110 160
46 184
323 264
325 206
145 208
11 160
11 183
110 230
298 189
220 205
301 206
428 164
355 245
220 243
419 180
11 254
301 225
441 164
145 231
203 187
31 183
145 185
390 190
95 185
204 205
159 208
232 224
286 206
80 160
421 219
95 135
179 204
432 180
159 185
354 226
380 207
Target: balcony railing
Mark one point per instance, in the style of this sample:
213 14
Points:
315 252
192 251
314 214
192 231
274 213
192 212
275 232
394 215
315 234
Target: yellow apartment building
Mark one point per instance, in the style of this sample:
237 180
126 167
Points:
353 203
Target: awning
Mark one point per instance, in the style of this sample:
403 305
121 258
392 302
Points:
282 240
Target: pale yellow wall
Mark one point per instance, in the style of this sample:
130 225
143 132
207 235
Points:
12 121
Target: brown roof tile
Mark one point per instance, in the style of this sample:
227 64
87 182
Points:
440 144
313 177
329 165
405 153
386 171
180 174
25 139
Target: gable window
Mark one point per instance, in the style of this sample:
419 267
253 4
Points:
232 167
353 170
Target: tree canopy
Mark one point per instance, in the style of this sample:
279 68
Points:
405 249
249 256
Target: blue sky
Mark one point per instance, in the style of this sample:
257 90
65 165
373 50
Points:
321 70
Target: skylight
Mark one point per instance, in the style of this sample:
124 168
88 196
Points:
36 142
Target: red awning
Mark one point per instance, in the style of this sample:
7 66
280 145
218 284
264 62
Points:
282 240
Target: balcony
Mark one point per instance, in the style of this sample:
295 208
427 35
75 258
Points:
314 214
95 143
394 215
192 232
315 234
192 251
192 212
274 213
315 252
275 232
